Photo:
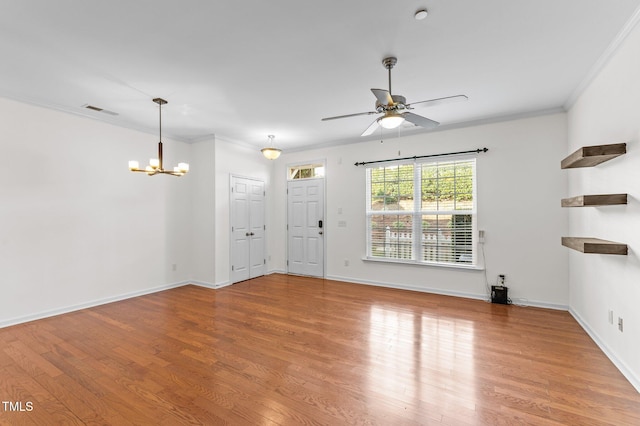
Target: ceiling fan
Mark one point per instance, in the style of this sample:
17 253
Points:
395 107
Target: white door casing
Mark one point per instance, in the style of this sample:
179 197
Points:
305 226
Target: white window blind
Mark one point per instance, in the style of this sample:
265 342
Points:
422 212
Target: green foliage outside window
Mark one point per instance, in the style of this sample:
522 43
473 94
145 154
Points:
391 185
451 182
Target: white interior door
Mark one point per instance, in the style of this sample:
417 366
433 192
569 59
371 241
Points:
305 227
247 228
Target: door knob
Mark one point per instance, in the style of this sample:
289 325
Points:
320 232
247 234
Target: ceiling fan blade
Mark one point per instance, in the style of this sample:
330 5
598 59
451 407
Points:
419 120
383 96
349 115
372 128
439 101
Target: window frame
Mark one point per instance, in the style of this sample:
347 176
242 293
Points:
417 214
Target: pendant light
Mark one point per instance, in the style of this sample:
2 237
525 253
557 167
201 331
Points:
155 164
271 153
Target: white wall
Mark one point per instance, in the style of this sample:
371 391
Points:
77 227
239 160
203 212
519 191
608 111
80 229
84 229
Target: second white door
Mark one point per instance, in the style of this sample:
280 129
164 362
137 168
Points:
247 228
306 227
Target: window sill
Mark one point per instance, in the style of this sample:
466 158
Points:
433 265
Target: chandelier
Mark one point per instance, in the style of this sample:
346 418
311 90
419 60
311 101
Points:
270 152
155 164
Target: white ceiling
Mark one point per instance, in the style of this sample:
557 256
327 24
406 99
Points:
246 69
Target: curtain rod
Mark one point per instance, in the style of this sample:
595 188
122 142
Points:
477 151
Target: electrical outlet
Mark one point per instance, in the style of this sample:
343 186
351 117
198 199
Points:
610 317
620 327
501 279
481 236
346 262
174 267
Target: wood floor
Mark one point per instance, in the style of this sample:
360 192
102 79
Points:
282 350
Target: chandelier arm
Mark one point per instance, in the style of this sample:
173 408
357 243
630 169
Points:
168 172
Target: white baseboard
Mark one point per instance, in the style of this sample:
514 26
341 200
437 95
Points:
538 304
620 365
228 283
202 284
477 296
89 304
407 287
222 284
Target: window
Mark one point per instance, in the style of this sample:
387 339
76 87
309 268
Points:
422 212
306 171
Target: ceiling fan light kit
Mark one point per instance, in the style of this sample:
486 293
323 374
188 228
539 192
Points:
395 107
391 120
271 153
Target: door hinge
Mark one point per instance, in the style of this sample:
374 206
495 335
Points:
264 193
232 267
232 229
287 263
265 261
264 227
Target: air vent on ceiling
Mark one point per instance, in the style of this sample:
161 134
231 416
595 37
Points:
98 109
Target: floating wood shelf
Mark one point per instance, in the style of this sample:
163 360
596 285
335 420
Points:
595 200
589 156
594 245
